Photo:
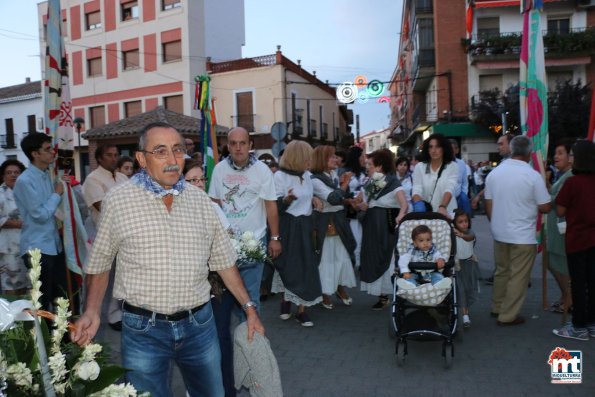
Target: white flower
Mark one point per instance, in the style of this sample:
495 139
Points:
377 176
247 236
57 364
20 375
251 245
88 370
34 275
90 351
60 323
122 390
381 184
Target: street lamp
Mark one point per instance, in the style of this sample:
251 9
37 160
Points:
78 123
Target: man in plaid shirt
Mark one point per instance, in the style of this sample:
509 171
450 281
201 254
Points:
167 237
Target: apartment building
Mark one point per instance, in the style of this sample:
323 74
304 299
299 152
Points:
21 112
255 93
127 57
440 71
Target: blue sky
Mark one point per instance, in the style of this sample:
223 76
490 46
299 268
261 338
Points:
339 39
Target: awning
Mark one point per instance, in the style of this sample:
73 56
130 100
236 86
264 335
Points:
469 130
503 3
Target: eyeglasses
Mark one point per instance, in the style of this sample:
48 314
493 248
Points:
163 152
195 181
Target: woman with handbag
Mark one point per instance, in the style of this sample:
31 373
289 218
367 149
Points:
334 241
435 177
556 249
384 207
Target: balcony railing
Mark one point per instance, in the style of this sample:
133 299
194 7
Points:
7 141
578 40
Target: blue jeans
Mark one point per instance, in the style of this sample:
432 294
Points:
149 346
434 278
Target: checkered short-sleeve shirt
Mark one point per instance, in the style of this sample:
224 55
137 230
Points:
163 258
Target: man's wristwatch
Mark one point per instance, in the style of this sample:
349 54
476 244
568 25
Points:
248 304
275 238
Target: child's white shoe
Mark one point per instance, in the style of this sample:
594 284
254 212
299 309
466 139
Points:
404 284
444 283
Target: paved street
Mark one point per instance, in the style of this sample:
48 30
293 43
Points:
349 353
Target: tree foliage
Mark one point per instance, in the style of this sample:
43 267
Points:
568 110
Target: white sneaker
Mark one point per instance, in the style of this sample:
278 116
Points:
466 321
404 284
444 283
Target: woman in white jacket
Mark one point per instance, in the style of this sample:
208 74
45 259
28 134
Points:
435 177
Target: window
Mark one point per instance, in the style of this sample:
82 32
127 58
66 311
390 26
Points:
97 116
94 67
488 27
244 110
131 59
174 103
490 82
93 20
170 4
297 123
312 127
8 139
558 25
31 123
129 10
172 51
324 131
132 108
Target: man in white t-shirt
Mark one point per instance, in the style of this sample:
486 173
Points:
245 189
96 186
514 193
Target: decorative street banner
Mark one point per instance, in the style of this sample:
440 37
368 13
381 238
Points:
208 140
59 125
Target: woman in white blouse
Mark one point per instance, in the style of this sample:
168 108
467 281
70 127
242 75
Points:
297 272
356 164
435 177
384 200
334 241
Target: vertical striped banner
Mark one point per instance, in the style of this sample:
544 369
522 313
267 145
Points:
60 126
591 131
208 140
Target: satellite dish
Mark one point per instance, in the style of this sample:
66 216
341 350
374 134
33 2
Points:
278 131
277 147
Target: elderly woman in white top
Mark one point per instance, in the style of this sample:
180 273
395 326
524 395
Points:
435 177
335 243
13 272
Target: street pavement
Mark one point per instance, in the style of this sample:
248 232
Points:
349 352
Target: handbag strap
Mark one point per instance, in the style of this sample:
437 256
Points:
436 183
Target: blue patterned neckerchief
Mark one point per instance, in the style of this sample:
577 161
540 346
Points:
143 180
251 161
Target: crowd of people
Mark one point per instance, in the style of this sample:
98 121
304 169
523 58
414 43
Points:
161 239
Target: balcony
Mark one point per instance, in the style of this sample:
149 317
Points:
507 46
7 141
424 7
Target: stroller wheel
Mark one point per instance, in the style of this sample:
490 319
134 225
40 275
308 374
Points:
448 353
401 352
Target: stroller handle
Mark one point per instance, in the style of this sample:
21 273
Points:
429 265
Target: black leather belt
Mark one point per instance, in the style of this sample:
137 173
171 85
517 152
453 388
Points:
158 316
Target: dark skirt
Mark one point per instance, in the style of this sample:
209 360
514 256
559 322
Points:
467 279
297 263
378 244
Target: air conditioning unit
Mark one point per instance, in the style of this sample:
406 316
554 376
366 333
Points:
39 125
586 3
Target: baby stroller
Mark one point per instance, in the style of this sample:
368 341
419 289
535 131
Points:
426 313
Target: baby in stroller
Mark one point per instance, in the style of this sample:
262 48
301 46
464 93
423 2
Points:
422 250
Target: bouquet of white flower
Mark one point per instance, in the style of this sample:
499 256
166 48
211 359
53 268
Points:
375 185
70 370
248 248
